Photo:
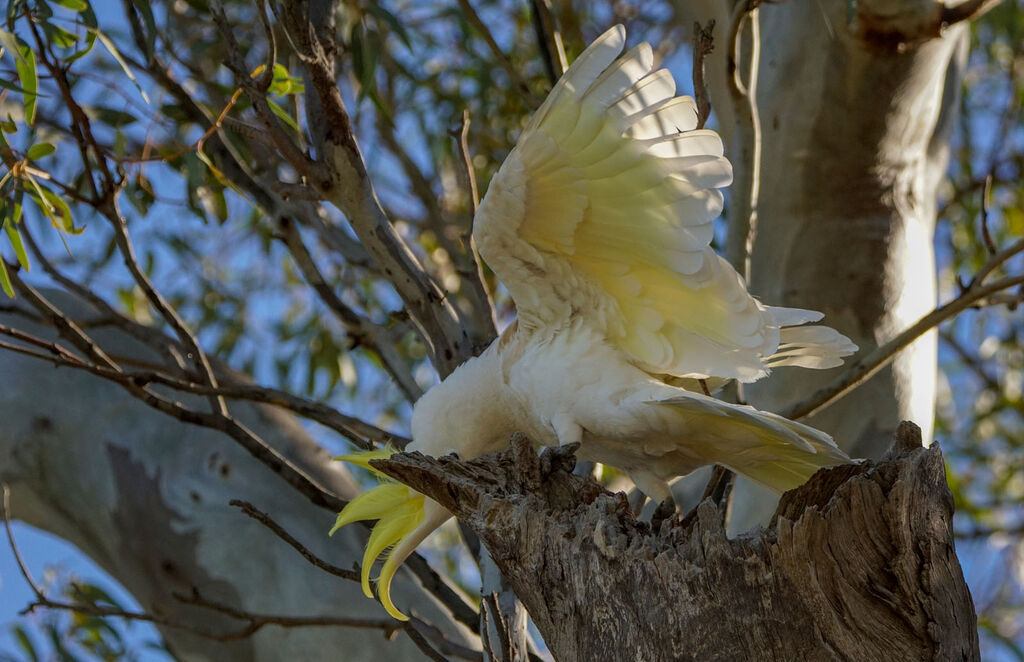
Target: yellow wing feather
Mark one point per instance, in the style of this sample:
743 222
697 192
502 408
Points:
604 210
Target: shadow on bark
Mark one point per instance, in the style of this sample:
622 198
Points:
857 564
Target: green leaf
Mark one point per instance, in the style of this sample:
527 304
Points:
19 248
10 44
29 82
73 5
109 45
392 22
110 116
90 25
59 35
5 284
7 85
39 150
54 208
284 83
143 7
283 114
24 641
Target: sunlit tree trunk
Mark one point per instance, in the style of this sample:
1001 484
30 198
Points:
854 105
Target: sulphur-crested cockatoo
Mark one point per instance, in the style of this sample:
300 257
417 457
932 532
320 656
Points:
599 224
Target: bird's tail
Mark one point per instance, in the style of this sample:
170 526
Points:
767 448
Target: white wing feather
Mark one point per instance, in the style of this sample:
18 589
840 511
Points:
604 211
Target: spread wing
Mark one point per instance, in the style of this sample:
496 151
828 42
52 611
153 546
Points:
604 210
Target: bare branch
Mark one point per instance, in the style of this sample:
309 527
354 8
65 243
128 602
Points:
862 369
342 179
256 621
430 580
743 215
14 546
103 366
549 38
996 261
703 45
473 273
265 519
147 335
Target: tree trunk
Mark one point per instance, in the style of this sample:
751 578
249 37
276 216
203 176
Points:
858 563
146 497
855 103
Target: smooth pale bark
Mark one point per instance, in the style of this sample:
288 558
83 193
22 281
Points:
858 565
146 497
855 114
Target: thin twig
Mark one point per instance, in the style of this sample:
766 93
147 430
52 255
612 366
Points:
421 642
145 334
996 261
744 216
267 521
868 365
104 366
256 621
549 38
476 277
703 45
195 353
358 431
14 546
429 579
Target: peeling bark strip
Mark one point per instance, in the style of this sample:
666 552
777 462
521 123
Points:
858 564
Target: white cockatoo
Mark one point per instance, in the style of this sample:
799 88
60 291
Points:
599 224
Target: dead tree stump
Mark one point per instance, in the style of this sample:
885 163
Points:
857 564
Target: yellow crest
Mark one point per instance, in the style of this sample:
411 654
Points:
398 511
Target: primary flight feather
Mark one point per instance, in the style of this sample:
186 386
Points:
599 224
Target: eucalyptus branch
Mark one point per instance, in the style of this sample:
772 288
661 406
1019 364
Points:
145 334
743 215
195 353
862 369
256 91
256 622
431 581
703 45
108 207
473 273
342 180
480 315
549 38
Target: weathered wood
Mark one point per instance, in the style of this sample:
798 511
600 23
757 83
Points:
858 564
